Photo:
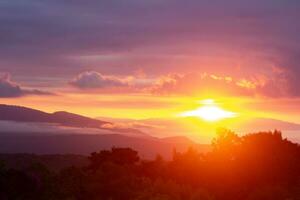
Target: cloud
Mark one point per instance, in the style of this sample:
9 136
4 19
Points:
199 83
96 80
288 63
111 36
9 88
207 84
115 33
188 84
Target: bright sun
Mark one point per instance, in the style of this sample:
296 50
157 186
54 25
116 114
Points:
209 112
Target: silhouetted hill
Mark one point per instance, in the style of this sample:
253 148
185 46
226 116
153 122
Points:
70 119
85 144
22 114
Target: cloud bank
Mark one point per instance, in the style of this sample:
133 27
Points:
237 38
188 84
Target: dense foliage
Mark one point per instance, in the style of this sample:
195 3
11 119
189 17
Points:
260 166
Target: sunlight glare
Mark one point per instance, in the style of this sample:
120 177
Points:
209 112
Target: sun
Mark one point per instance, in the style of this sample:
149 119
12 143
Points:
209 112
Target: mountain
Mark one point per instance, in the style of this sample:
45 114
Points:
23 114
70 119
26 130
256 124
85 144
61 118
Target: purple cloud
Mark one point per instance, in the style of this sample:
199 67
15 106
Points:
95 80
9 89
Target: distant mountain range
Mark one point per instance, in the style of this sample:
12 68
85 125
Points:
267 124
203 132
247 124
26 130
23 114
23 141
85 144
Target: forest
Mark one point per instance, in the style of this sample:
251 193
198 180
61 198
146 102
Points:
256 166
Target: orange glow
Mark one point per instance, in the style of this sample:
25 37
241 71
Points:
209 112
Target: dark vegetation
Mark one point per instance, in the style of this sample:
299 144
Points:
55 162
260 166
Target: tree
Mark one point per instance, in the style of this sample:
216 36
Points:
120 156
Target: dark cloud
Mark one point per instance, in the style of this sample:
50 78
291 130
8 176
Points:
284 81
9 88
95 80
290 73
54 29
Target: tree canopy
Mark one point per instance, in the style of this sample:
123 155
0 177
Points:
257 166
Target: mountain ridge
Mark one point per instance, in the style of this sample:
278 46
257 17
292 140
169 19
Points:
62 118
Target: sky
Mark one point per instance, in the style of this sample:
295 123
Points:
142 59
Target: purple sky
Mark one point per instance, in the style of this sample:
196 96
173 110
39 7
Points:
46 45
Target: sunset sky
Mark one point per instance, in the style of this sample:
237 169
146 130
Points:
142 59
